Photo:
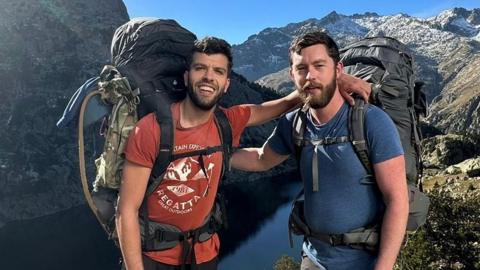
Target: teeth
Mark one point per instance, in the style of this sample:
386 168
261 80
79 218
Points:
206 88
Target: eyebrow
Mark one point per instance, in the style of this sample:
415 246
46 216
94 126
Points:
204 65
318 61
220 69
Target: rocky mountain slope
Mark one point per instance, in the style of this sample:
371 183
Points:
445 48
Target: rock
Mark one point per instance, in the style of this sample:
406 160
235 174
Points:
445 150
469 166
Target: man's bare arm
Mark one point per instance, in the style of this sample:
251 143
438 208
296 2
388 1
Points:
132 191
256 159
390 177
269 110
349 84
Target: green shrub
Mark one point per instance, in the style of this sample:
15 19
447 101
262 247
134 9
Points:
451 237
286 263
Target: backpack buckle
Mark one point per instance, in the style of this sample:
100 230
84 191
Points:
159 235
336 239
329 140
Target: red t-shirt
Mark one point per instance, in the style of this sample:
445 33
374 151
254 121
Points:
186 195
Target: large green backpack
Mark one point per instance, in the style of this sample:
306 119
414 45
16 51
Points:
149 58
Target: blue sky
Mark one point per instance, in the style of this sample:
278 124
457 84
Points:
236 20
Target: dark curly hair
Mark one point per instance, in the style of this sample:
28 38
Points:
313 38
212 45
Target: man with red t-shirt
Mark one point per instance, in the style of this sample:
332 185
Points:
187 192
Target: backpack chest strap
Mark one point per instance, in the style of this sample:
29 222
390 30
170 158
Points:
327 141
315 143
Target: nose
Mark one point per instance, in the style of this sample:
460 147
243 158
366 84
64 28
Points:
310 74
208 75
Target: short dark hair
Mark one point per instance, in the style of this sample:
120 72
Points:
212 45
312 38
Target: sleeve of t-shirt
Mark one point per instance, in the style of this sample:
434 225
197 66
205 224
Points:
143 142
382 136
238 117
280 141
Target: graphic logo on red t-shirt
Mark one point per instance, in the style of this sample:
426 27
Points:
185 182
187 169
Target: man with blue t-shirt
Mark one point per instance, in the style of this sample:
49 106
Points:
338 197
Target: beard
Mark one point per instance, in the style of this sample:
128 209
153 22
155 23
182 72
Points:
321 100
202 102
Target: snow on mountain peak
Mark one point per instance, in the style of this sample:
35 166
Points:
458 20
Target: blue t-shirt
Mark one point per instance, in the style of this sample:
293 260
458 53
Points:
344 201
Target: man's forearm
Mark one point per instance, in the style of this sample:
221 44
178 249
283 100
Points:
272 109
128 230
392 234
247 159
256 159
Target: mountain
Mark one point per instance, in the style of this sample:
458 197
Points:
49 48
443 46
457 108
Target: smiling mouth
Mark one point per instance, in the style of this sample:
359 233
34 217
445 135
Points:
205 88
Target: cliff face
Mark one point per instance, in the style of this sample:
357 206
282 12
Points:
47 49
457 108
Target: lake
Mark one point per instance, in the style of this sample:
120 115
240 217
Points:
257 235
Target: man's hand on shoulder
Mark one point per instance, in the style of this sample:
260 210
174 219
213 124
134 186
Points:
348 84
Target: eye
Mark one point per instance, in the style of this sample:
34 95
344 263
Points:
198 68
301 70
220 71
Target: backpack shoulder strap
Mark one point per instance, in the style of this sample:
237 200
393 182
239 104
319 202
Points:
298 130
165 121
226 137
356 129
